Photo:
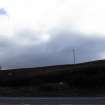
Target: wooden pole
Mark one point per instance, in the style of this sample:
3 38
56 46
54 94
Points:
74 55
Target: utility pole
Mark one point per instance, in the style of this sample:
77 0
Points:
74 55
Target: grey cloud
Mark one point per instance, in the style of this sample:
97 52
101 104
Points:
4 42
2 11
28 34
56 51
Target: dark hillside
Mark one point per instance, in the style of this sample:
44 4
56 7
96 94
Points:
85 79
85 72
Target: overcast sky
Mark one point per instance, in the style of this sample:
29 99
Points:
44 32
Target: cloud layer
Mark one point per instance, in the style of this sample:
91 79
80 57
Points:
56 50
44 32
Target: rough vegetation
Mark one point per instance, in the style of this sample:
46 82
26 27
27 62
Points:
85 79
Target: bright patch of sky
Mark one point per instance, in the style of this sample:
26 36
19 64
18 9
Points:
86 16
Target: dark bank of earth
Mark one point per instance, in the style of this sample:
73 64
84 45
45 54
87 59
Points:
54 91
85 79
